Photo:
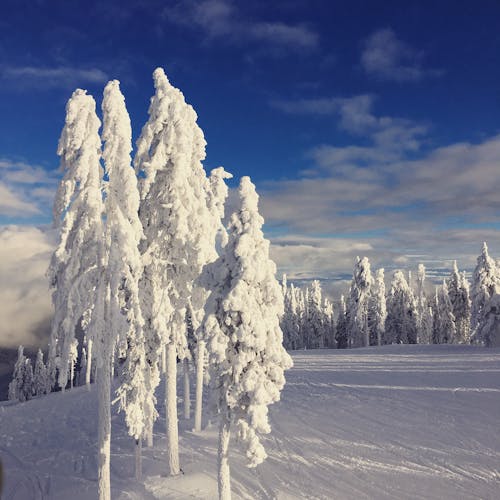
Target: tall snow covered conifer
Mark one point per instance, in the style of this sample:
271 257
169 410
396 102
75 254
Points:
458 291
424 312
123 235
485 284
179 228
401 322
378 309
247 358
341 328
16 385
40 383
78 207
315 317
358 331
444 325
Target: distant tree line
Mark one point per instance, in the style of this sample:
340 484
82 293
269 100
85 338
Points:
458 312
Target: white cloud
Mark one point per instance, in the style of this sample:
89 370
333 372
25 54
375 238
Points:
25 306
24 189
47 77
221 19
386 57
437 208
11 204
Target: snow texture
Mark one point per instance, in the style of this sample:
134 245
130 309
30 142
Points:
399 422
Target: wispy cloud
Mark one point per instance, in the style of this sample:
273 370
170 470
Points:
443 205
51 77
389 58
221 20
24 189
390 136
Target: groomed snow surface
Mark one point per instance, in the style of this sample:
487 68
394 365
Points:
384 422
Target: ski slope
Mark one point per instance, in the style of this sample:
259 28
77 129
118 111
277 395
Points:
419 422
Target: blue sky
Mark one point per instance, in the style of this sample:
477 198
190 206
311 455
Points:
370 127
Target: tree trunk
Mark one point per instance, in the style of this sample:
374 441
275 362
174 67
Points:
224 476
164 359
149 432
171 411
89 364
104 430
187 390
138 459
200 362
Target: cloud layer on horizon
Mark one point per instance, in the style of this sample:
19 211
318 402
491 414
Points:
25 306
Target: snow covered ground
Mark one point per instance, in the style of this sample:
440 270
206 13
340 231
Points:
392 422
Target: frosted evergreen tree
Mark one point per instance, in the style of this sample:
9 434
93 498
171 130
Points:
40 383
401 321
247 358
78 207
458 290
329 324
315 317
291 320
16 385
424 315
444 331
123 319
217 195
179 228
489 327
378 310
341 335
301 318
26 390
358 305
484 286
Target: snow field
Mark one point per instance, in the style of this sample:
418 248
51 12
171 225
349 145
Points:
400 422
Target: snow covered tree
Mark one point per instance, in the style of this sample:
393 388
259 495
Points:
290 323
444 330
16 385
358 331
123 317
78 208
26 390
301 318
485 283
378 310
424 314
401 321
40 382
458 290
329 324
341 336
217 194
247 358
180 231
315 317
489 327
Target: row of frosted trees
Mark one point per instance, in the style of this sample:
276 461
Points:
457 312
146 268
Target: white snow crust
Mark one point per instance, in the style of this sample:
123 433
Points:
397 422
